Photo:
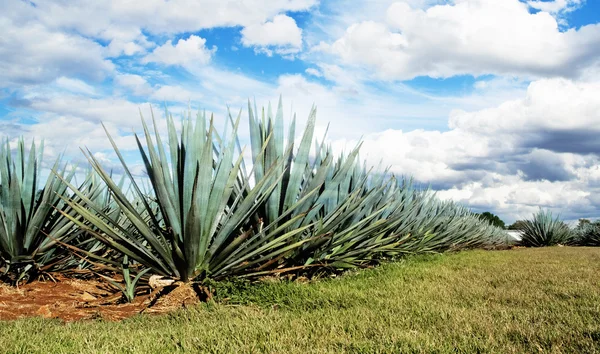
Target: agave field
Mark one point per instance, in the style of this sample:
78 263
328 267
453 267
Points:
204 213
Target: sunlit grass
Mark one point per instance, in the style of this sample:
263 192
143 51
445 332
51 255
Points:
523 300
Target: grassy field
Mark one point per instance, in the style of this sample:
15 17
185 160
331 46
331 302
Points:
524 300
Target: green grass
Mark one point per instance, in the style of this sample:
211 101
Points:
524 300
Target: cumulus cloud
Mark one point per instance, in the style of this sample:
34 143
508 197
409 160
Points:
543 164
160 93
136 83
95 110
75 86
187 52
33 55
174 94
103 18
555 6
549 105
117 48
45 40
72 133
467 37
282 34
313 72
499 167
514 199
539 150
68 123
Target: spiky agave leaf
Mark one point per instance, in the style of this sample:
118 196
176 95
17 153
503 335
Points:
301 175
268 151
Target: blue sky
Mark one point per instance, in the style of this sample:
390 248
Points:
494 103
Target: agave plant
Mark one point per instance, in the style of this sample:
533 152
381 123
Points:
203 224
300 177
334 180
544 230
130 282
29 214
587 235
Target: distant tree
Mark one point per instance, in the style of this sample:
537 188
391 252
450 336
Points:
517 225
492 219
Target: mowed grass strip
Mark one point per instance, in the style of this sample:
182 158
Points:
523 300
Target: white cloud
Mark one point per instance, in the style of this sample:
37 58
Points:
75 86
117 48
516 199
357 110
487 93
282 34
159 93
158 16
70 133
556 104
555 6
505 169
30 54
540 150
313 72
187 52
137 84
47 40
175 94
335 16
68 123
114 110
467 37
339 76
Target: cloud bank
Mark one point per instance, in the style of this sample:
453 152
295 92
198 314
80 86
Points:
493 103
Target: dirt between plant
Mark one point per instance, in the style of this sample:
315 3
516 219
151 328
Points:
74 299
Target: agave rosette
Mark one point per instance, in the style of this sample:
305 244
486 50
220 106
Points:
28 214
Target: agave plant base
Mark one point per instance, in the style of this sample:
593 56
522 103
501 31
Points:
175 296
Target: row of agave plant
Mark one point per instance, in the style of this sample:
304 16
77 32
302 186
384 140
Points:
544 229
202 214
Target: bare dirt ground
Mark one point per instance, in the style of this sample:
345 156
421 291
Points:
73 299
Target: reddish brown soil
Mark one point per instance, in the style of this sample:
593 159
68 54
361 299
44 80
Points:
70 300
